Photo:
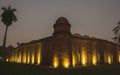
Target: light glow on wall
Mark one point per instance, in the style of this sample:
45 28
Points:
73 60
55 62
94 58
118 56
19 57
84 57
66 62
7 60
15 59
28 58
24 57
78 55
32 58
38 56
109 59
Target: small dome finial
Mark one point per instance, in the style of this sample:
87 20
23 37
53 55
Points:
62 20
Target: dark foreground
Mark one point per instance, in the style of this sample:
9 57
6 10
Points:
22 69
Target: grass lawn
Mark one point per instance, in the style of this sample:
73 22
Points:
24 69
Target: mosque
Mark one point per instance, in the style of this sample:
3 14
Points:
64 49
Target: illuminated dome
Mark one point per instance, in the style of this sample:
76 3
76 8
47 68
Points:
62 20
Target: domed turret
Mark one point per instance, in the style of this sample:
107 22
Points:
61 26
62 20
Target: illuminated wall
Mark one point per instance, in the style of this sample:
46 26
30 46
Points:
84 52
26 54
64 62
87 51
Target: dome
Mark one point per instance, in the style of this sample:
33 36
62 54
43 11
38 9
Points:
62 26
77 34
62 20
86 36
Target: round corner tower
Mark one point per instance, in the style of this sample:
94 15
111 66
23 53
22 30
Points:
61 26
62 43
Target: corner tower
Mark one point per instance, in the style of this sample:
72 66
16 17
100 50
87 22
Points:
62 43
62 26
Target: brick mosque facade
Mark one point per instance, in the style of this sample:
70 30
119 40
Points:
64 49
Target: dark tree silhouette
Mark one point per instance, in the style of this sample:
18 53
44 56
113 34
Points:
116 32
8 17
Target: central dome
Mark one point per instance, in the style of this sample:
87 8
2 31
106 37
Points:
61 26
62 20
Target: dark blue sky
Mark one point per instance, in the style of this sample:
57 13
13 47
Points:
36 18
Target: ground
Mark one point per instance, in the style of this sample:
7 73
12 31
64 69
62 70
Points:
23 69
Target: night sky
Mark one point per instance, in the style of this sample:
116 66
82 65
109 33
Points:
36 18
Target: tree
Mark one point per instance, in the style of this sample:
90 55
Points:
8 17
116 32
